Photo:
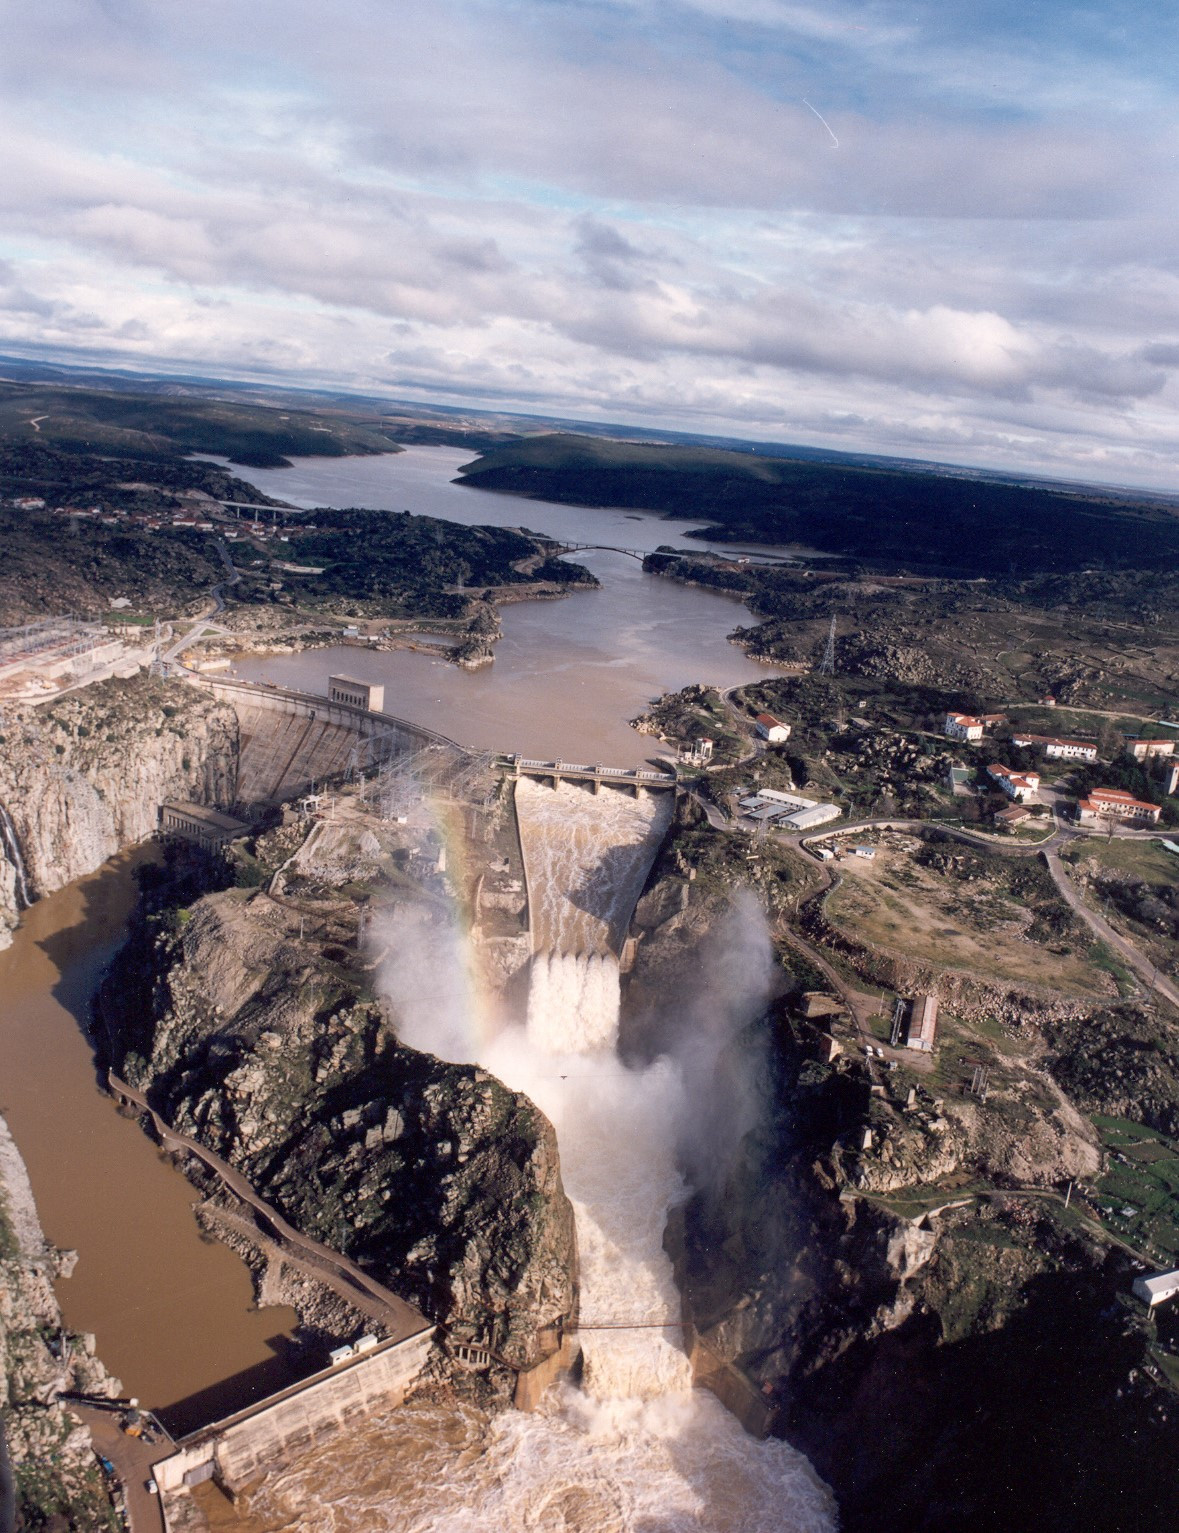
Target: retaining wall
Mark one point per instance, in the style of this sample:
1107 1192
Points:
244 1446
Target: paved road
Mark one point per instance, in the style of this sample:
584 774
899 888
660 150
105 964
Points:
133 1459
1142 966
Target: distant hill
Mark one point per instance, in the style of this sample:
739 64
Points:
157 424
901 517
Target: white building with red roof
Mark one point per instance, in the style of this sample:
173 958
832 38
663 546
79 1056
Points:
772 729
1017 785
1115 804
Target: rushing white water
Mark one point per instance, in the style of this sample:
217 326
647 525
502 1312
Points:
637 1449
12 852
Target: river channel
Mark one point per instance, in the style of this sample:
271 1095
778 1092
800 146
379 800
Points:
567 674
172 1311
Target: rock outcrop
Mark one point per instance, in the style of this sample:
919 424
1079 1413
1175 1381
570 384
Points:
84 777
946 1357
264 1045
52 1462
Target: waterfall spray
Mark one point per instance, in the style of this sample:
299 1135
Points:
12 853
636 1447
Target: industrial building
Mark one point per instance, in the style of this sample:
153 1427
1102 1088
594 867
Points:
787 811
1158 1288
922 1028
54 647
358 694
197 822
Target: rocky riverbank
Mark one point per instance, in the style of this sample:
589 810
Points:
251 1020
84 777
57 1480
889 1267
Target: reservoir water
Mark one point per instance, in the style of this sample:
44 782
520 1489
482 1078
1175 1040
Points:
567 674
172 1311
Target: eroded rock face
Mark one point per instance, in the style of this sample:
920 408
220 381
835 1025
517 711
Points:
434 1176
84 777
50 1450
911 1334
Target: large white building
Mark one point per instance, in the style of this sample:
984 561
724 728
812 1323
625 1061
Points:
969 726
1115 804
1154 1290
789 811
1060 750
1147 750
771 729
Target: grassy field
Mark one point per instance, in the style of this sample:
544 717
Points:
1143 1178
898 905
1145 860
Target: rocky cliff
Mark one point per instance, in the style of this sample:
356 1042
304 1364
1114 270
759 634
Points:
251 1022
82 778
946 1358
56 1478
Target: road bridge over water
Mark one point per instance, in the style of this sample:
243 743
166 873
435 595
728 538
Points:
636 779
699 555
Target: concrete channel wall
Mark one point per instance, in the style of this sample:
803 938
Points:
242 1447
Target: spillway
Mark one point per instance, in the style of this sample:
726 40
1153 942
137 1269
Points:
636 1449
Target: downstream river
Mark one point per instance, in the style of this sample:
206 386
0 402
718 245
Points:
567 674
172 1311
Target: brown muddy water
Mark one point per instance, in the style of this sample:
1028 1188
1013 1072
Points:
568 675
172 1310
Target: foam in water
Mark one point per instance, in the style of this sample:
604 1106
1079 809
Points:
573 1002
637 1450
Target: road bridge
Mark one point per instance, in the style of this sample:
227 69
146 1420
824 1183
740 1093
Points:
632 778
701 555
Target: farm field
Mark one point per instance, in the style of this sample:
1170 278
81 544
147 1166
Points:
978 925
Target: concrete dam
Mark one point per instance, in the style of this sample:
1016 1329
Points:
290 741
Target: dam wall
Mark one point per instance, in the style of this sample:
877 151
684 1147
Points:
242 1447
291 740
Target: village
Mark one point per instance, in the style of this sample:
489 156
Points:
986 876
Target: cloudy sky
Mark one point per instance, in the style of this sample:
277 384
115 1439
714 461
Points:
942 228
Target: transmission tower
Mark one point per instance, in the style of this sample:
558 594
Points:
827 668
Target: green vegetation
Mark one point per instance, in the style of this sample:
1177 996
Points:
893 517
413 566
147 423
1138 1195
1121 1061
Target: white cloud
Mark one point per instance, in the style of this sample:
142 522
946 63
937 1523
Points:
621 208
